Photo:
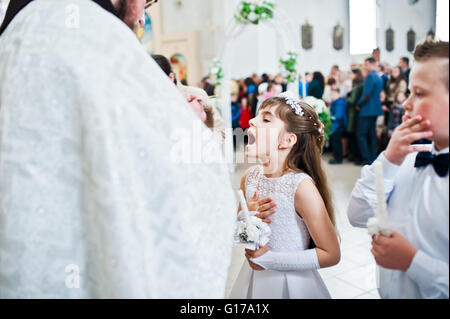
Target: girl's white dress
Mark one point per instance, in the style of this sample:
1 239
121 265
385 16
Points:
289 233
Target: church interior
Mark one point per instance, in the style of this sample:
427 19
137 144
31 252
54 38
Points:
209 47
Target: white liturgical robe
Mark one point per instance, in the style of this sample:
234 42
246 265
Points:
92 204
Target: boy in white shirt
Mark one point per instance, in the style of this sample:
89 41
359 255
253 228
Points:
414 261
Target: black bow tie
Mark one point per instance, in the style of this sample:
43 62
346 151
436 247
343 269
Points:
439 162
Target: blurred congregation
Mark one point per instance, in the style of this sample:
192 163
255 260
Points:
365 101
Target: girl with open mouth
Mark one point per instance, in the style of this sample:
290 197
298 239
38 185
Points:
287 137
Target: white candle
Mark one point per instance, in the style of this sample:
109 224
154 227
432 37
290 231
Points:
243 204
381 199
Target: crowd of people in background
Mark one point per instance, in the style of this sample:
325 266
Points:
366 104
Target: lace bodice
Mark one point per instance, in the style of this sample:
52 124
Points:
289 231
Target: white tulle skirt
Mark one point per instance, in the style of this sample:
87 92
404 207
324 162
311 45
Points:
270 284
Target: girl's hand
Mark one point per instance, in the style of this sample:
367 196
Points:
249 254
265 207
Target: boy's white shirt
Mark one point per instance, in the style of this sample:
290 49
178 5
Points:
418 208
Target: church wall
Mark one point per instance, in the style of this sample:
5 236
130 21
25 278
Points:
401 16
323 15
258 49
192 15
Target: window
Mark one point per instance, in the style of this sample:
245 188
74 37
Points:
363 26
442 20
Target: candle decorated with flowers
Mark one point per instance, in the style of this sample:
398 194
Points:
250 230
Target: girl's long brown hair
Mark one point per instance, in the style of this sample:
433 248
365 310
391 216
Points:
306 154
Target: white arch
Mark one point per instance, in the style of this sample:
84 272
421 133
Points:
285 35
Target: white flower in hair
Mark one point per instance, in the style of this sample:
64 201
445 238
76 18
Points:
321 129
293 101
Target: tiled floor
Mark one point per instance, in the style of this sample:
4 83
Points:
355 276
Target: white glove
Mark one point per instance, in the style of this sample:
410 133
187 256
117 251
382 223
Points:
288 261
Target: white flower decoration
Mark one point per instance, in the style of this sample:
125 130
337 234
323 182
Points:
240 228
321 106
252 16
317 104
293 101
253 233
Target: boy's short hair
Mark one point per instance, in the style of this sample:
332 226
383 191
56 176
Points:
433 49
371 60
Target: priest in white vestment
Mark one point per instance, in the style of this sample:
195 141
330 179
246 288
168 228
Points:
92 204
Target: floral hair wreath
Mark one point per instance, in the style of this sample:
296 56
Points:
293 101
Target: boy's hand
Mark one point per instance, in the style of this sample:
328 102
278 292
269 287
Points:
265 207
394 252
408 132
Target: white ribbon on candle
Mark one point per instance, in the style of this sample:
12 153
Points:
379 224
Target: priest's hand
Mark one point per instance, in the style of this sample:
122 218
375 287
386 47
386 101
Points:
394 252
265 207
249 254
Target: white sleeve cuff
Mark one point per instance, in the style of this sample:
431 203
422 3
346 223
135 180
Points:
418 270
430 274
389 169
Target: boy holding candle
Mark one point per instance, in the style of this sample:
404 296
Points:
414 259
